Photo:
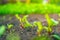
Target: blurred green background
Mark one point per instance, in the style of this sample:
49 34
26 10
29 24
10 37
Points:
29 6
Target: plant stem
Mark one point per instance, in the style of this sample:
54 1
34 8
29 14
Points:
21 24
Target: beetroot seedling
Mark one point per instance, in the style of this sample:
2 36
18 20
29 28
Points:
40 27
23 21
26 22
51 22
20 20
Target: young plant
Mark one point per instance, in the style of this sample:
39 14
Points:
24 22
2 30
20 20
51 22
40 27
9 26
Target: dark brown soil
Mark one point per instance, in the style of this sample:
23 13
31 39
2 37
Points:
26 34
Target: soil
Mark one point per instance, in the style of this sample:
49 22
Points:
26 34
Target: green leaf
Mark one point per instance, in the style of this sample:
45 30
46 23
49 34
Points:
9 26
48 29
2 30
17 16
48 20
39 25
54 22
56 36
25 21
51 22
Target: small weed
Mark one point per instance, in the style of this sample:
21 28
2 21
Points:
9 26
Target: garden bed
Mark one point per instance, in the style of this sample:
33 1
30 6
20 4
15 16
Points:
28 33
